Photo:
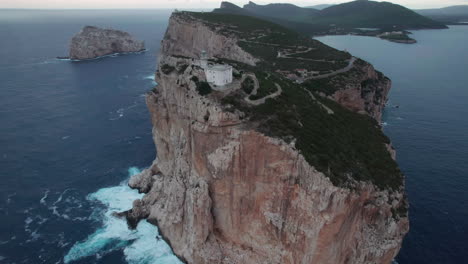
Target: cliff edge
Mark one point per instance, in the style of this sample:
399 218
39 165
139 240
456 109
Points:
92 42
285 164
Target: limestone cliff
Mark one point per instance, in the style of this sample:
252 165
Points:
223 191
363 90
92 42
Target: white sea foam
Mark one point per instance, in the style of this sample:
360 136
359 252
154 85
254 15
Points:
43 199
151 78
121 111
139 246
9 198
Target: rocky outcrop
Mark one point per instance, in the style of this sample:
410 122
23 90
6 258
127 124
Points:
363 90
221 192
92 42
190 38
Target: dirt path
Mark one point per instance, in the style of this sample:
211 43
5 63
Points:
262 100
345 69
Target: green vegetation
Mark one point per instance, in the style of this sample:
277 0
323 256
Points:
167 69
247 85
282 11
247 26
373 14
401 211
340 18
266 85
344 145
203 88
181 68
324 86
321 58
397 37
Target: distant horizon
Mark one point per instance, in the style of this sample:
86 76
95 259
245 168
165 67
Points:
188 4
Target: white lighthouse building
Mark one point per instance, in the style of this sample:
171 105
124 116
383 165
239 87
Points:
217 74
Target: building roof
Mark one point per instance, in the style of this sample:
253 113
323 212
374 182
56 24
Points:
219 67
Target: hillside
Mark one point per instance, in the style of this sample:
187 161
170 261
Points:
282 11
341 18
451 14
374 15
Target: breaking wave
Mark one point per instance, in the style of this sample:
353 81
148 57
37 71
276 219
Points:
151 77
140 246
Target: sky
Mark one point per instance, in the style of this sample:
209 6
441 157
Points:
117 4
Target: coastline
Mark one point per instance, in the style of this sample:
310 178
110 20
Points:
115 54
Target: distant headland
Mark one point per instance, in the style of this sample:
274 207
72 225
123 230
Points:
366 18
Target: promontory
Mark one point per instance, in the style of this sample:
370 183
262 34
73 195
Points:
269 149
93 42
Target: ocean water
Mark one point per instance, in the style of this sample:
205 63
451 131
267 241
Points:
71 134
429 130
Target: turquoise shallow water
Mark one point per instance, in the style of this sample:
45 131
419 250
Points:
430 132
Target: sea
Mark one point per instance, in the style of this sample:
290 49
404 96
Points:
72 133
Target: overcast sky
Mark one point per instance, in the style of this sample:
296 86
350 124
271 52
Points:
46 4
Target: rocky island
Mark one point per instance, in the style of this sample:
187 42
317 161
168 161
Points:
285 162
93 42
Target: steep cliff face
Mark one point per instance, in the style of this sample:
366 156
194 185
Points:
190 38
363 90
222 192
93 42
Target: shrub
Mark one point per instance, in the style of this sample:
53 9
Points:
203 88
248 85
167 69
182 68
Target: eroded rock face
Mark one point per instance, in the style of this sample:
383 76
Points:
222 192
364 91
190 38
93 42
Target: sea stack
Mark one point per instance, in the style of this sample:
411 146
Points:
92 42
266 169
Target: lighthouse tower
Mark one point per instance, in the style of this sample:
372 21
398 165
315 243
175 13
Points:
203 59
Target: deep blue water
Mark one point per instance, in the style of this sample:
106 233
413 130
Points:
69 129
72 133
430 132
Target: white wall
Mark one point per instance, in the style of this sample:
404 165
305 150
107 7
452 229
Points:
219 77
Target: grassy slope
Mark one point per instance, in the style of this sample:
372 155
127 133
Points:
343 145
